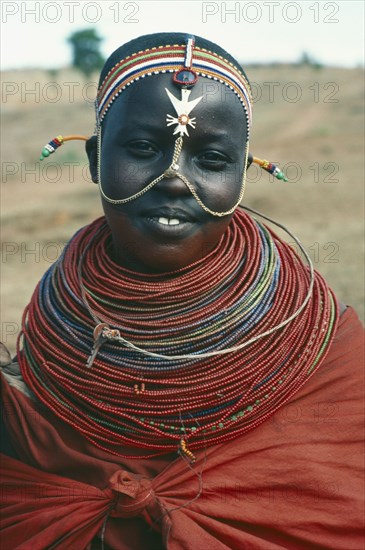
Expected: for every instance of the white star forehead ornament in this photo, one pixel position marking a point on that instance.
(182, 107)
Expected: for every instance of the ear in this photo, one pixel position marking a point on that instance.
(249, 160)
(91, 150)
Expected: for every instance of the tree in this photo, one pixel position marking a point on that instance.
(309, 61)
(86, 51)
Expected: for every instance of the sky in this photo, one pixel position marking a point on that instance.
(34, 34)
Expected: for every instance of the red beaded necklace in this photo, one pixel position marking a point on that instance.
(250, 283)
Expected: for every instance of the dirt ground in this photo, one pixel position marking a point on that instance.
(309, 120)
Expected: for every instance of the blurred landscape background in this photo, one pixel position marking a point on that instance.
(307, 118)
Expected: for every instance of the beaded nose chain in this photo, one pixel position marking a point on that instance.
(172, 172)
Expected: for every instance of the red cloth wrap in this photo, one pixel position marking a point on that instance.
(294, 482)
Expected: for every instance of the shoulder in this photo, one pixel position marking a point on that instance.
(343, 369)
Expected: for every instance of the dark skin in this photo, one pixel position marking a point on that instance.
(137, 147)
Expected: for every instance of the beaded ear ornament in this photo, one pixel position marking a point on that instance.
(56, 142)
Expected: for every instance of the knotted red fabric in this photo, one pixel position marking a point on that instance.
(293, 482)
(133, 495)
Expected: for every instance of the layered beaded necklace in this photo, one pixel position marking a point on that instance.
(179, 374)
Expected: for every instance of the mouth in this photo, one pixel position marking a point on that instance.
(173, 221)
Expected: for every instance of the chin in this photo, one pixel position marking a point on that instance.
(164, 262)
(161, 259)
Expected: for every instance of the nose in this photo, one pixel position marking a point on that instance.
(173, 183)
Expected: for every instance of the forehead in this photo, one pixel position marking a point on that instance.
(147, 98)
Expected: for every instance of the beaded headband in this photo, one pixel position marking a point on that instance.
(173, 59)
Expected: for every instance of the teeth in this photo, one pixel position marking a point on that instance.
(167, 221)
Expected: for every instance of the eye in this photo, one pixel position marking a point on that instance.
(142, 148)
(213, 160)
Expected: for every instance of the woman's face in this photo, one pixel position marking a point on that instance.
(137, 147)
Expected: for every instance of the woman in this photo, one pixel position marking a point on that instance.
(184, 381)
